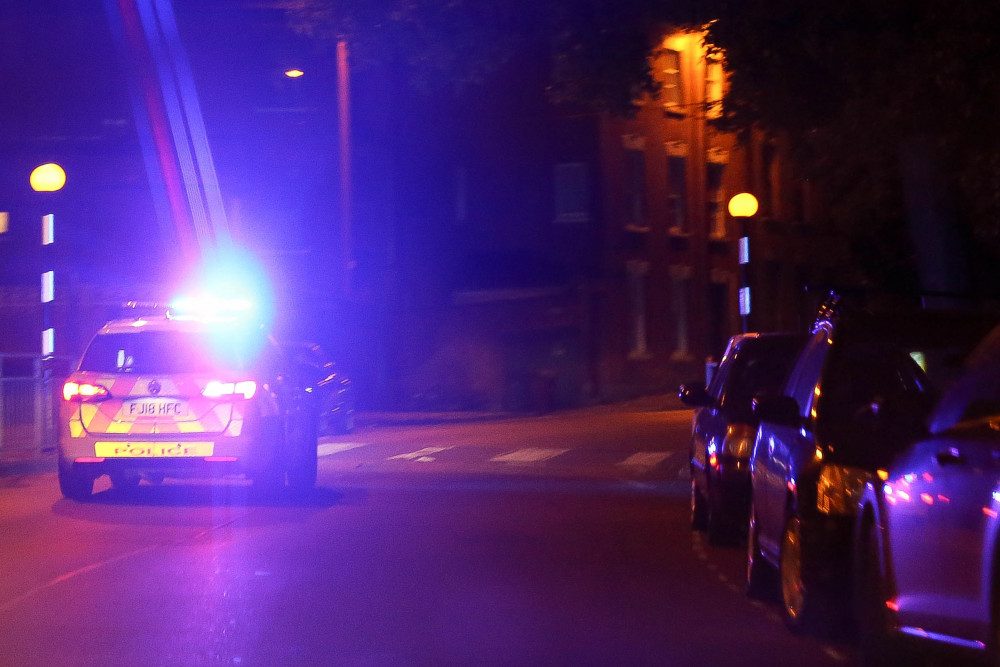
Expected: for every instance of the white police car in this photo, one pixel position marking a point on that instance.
(174, 394)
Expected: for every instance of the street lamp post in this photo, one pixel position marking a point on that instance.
(742, 207)
(48, 177)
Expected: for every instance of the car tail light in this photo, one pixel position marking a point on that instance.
(84, 391)
(216, 389)
(739, 440)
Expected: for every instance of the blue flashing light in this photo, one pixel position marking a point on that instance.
(230, 287)
(210, 308)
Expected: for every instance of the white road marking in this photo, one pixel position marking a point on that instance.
(645, 459)
(529, 455)
(422, 455)
(329, 448)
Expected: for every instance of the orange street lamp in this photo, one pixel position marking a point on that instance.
(742, 207)
(293, 73)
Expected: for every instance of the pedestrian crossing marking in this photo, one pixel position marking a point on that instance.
(645, 459)
(330, 448)
(421, 455)
(529, 455)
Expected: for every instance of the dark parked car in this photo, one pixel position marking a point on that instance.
(858, 395)
(334, 391)
(724, 428)
(927, 558)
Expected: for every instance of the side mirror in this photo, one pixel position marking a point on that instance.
(693, 394)
(781, 410)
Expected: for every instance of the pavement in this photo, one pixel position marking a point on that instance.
(17, 461)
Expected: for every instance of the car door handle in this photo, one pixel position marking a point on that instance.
(950, 456)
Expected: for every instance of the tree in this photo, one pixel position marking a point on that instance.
(598, 51)
(867, 91)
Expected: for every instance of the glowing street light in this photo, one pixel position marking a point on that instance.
(741, 207)
(293, 73)
(48, 177)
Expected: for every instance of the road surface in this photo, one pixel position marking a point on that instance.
(556, 540)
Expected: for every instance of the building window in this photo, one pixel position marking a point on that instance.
(715, 204)
(680, 294)
(713, 88)
(677, 188)
(635, 182)
(672, 91)
(637, 271)
(571, 192)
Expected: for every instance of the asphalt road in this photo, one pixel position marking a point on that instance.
(558, 540)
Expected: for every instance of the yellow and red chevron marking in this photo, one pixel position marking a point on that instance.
(112, 416)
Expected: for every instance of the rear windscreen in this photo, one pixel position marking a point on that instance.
(160, 352)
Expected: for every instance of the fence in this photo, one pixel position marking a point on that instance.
(28, 401)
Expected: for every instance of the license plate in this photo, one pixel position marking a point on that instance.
(153, 449)
(155, 409)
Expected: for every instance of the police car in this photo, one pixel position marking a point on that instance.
(176, 394)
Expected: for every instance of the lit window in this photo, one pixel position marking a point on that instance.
(715, 204)
(677, 187)
(671, 93)
(713, 88)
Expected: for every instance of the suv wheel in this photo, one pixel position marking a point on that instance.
(721, 531)
(699, 508)
(74, 484)
(798, 598)
(875, 642)
(760, 578)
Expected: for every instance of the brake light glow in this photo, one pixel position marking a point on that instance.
(216, 389)
(84, 391)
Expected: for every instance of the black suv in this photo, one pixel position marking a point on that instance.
(859, 392)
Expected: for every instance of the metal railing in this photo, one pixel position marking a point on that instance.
(28, 407)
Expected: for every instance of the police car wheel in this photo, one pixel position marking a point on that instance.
(73, 483)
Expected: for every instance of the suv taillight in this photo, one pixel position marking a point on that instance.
(84, 391)
(216, 389)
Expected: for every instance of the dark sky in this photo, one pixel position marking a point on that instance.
(66, 99)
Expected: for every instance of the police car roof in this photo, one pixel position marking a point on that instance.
(161, 323)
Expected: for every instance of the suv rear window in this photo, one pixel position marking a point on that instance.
(161, 352)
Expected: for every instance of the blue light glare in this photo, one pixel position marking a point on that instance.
(233, 285)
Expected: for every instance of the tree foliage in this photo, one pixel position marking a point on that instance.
(848, 82)
(852, 82)
(597, 50)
